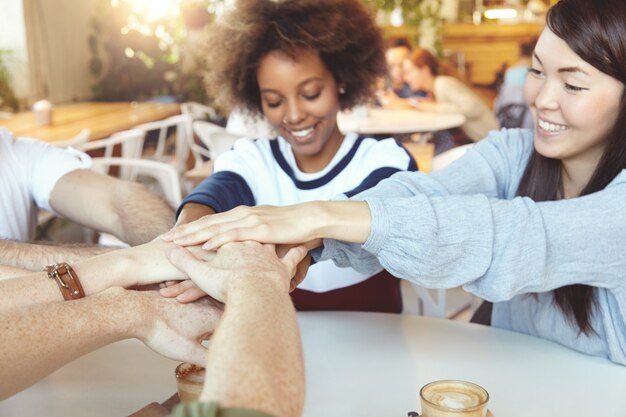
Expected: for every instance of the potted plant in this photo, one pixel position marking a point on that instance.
(8, 101)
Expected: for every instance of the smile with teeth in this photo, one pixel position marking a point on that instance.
(302, 133)
(551, 127)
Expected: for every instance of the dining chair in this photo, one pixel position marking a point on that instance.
(157, 176)
(198, 111)
(214, 137)
(130, 142)
(180, 124)
(149, 172)
(434, 303)
(81, 138)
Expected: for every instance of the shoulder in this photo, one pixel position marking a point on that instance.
(512, 146)
(448, 81)
(245, 151)
(385, 152)
(33, 151)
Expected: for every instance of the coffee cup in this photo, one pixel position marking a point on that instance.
(453, 398)
(189, 381)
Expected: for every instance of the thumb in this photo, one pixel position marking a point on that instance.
(184, 260)
(192, 352)
(293, 257)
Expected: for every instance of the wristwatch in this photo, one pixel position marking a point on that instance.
(67, 280)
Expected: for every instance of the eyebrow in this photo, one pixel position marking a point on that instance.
(308, 80)
(565, 69)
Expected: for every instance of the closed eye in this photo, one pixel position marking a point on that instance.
(574, 88)
(312, 97)
(534, 71)
(273, 104)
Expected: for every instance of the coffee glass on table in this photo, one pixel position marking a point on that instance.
(453, 398)
(189, 381)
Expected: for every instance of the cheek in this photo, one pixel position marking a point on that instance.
(326, 106)
(600, 113)
(273, 116)
(531, 88)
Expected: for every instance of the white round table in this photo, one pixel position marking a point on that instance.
(360, 365)
(382, 121)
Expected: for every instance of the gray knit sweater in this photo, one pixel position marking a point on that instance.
(463, 226)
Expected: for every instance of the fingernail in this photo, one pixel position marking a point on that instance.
(180, 240)
(208, 246)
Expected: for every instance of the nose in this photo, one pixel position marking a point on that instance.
(294, 114)
(545, 96)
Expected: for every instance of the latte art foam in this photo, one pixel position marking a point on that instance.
(451, 398)
(454, 399)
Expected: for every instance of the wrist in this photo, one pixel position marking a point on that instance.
(256, 284)
(103, 271)
(349, 221)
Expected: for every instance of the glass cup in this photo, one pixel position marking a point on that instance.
(452, 398)
(189, 381)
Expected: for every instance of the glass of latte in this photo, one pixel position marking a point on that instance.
(189, 380)
(452, 398)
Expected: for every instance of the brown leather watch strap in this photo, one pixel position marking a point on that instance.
(67, 280)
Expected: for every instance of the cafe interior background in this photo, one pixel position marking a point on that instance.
(70, 51)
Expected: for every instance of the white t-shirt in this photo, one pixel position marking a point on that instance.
(29, 170)
(262, 171)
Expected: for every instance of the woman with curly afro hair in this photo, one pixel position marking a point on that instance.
(298, 63)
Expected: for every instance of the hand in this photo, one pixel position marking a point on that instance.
(266, 224)
(175, 330)
(303, 265)
(238, 263)
(187, 291)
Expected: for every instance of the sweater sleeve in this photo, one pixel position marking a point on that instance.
(501, 248)
(496, 245)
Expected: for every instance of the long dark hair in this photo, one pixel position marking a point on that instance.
(596, 32)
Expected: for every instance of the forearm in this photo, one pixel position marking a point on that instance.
(140, 265)
(8, 272)
(258, 337)
(193, 211)
(348, 221)
(39, 339)
(35, 256)
(142, 214)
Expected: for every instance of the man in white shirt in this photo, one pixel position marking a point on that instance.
(36, 175)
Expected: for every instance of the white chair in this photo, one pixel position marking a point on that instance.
(164, 174)
(214, 137)
(434, 302)
(81, 138)
(130, 141)
(181, 149)
(147, 171)
(198, 111)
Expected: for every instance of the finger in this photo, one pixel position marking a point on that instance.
(192, 352)
(293, 257)
(183, 229)
(175, 290)
(183, 260)
(236, 234)
(200, 272)
(183, 232)
(190, 295)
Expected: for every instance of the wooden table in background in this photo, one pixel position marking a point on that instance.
(103, 119)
